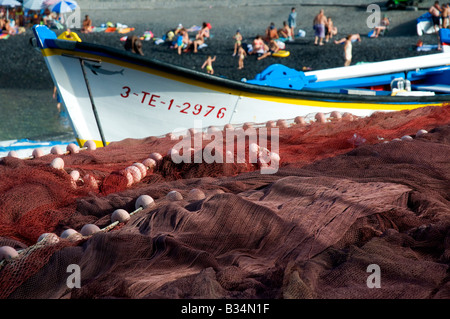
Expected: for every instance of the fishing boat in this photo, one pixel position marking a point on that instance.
(111, 94)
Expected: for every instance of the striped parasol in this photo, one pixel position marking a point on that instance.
(35, 5)
(62, 6)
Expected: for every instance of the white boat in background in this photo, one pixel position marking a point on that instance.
(111, 95)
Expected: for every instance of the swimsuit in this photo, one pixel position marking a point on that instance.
(348, 52)
(320, 30)
(291, 20)
(209, 68)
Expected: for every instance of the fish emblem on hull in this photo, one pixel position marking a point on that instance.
(97, 69)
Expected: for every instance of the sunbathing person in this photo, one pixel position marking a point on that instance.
(259, 47)
(273, 47)
(384, 23)
(285, 33)
(87, 25)
(201, 36)
(271, 32)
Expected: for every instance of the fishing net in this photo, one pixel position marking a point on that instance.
(346, 195)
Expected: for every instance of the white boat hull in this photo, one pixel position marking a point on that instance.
(111, 97)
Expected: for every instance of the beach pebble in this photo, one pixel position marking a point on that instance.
(135, 172)
(89, 229)
(300, 120)
(57, 163)
(142, 168)
(13, 154)
(56, 150)
(37, 153)
(320, 117)
(7, 252)
(72, 148)
(396, 140)
(150, 163)
(174, 196)
(196, 194)
(421, 133)
(336, 115)
(48, 238)
(406, 138)
(90, 145)
(120, 215)
(144, 201)
(156, 157)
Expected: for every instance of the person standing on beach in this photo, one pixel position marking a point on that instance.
(445, 15)
(237, 41)
(435, 11)
(208, 65)
(292, 20)
(319, 23)
(347, 49)
(242, 54)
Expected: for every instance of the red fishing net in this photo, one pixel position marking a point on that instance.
(341, 200)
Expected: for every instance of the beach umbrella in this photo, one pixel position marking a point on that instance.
(64, 6)
(9, 3)
(34, 5)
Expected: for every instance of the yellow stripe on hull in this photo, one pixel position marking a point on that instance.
(283, 100)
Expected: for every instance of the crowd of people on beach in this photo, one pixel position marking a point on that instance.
(17, 19)
(263, 45)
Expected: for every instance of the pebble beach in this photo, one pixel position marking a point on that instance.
(24, 67)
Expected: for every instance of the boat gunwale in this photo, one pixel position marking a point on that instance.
(189, 74)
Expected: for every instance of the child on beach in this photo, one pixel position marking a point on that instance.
(330, 30)
(242, 54)
(208, 65)
(237, 41)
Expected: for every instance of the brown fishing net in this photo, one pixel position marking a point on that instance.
(342, 200)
